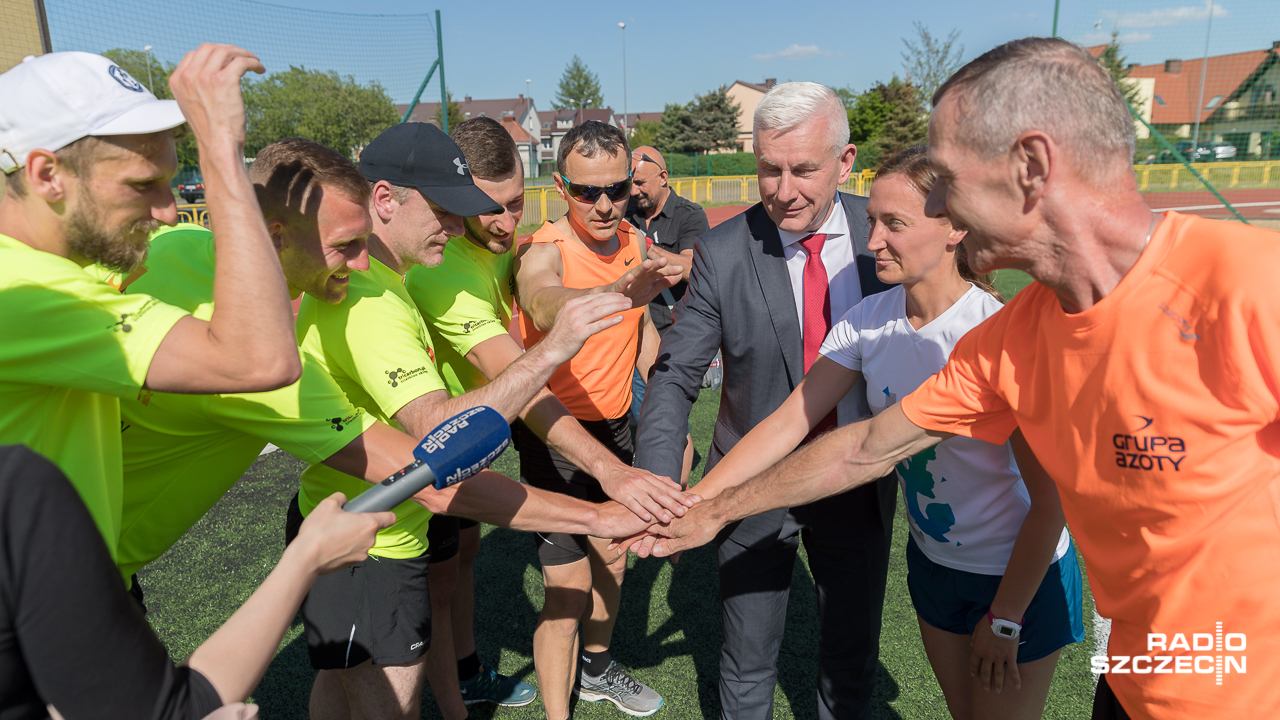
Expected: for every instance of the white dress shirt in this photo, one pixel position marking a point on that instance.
(842, 277)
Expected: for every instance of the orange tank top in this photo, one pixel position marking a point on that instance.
(596, 383)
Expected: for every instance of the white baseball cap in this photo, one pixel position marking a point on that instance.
(49, 102)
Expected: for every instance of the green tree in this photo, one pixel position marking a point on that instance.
(675, 129)
(455, 113)
(334, 111)
(905, 124)
(579, 88)
(137, 63)
(866, 116)
(929, 61)
(644, 133)
(1116, 65)
(715, 121)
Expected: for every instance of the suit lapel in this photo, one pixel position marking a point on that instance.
(775, 283)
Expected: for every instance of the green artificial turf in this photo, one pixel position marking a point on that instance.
(668, 630)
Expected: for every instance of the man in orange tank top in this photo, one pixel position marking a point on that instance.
(589, 250)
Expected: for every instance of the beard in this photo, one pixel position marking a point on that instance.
(120, 249)
(643, 202)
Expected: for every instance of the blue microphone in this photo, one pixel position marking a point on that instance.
(460, 447)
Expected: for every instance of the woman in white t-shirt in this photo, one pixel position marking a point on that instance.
(991, 568)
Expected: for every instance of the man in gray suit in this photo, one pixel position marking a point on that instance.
(765, 288)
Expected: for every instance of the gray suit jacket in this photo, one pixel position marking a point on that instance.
(739, 301)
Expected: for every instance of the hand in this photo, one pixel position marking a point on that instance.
(335, 538)
(646, 281)
(234, 711)
(992, 657)
(645, 494)
(614, 520)
(697, 527)
(206, 85)
(579, 319)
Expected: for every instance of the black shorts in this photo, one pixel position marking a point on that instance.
(378, 610)
(442, 536)
(546, 469)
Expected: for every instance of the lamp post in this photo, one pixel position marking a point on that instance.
(625, 120)
(526, 88)
(1204, 70)
(147, 50)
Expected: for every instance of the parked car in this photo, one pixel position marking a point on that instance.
(1207, 152)
(192, 191)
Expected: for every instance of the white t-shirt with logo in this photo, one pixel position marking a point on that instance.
(965, 499)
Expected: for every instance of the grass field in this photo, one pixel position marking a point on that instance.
(668, 632)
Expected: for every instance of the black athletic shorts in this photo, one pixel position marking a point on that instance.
(442, 536)
(546, 469)
(379, 610)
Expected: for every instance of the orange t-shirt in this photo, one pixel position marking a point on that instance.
(596, 383)
(1156, 412)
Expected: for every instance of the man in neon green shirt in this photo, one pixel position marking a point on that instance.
(183, 452)
(467, 302)
(376, 346)
(88, 154)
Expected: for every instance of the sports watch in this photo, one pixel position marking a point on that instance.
(1006, 629)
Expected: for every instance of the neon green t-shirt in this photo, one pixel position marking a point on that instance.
(183, 452)
(465, 301)
(376, 346)
(73, 346)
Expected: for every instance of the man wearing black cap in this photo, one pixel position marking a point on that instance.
(368, 629)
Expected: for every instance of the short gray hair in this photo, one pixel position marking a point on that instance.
(790, 104)
(1045, 84)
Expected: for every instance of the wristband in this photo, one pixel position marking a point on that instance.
(1006, 629)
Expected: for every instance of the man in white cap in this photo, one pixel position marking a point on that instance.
(88, 154)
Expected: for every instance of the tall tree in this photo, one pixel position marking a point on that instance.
(579, 88)
(715, 121)
(1117, 66)
(137, 63)
(455, 113)
(334, 111)
(904, 123)
(675, 129)
(929, 61)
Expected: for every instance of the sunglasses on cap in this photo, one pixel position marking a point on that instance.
(591, 193)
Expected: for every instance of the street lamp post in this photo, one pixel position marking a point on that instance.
(625, 120)
(150, 85)
(1204, 70)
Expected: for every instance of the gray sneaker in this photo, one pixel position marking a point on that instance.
(630, 695)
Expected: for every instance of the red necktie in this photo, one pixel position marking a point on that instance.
(817, 314)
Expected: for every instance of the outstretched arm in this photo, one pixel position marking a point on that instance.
(510, 392)
(840, 460)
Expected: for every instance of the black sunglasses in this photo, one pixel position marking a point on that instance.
(591, 193)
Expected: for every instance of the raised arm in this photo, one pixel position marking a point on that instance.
(248, 344)
(840, 460)
(994, 657)
(541, 292)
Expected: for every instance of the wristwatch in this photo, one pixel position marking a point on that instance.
(1006, 629)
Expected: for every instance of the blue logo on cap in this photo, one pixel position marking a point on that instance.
(125, 79)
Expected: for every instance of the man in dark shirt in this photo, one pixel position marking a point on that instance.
(670, 221)
(671, 224)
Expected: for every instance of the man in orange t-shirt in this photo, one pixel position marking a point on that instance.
(589, 250)
(1142, 370)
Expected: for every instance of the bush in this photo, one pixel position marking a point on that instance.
(697, 165)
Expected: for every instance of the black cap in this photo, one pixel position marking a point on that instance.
(419, 155)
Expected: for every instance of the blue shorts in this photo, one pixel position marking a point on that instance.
(957, 601)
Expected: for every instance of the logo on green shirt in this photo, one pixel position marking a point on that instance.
(399, 375)
(470, 325)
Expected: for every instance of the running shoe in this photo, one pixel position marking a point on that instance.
(615, 685)
(489, 686)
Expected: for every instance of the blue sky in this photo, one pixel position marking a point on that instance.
(674, 50)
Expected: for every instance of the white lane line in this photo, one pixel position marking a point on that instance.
(1219, 206)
